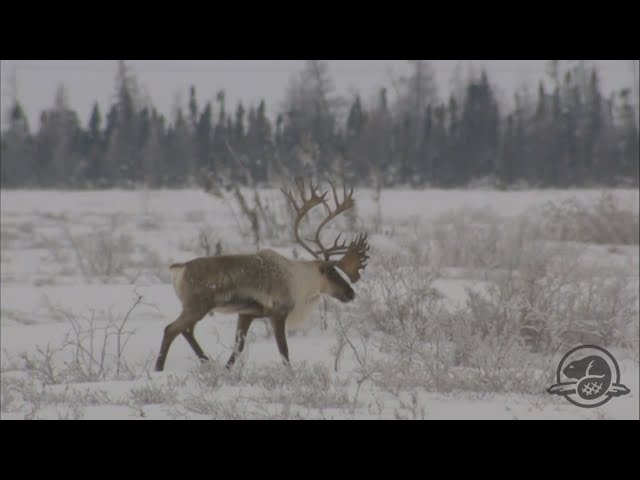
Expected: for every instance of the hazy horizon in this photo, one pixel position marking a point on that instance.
(167, 82)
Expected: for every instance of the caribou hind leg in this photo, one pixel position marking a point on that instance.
(186, 320)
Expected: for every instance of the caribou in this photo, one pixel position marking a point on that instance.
(267, 284)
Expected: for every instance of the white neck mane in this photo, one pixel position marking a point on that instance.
(306, 289)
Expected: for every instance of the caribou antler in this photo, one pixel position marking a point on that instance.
(353, 255)
(307, 205)
(346, 204)
(354, 260)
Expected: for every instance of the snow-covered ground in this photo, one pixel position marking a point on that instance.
(73, 264)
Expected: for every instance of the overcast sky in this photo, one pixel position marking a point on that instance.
(168, 81)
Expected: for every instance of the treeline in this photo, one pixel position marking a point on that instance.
(566, 133)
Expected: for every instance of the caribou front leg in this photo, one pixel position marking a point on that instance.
(244, 322)
(279, 330)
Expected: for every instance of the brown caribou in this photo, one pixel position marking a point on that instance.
(267, 284)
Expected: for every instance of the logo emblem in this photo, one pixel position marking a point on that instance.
(588, 376)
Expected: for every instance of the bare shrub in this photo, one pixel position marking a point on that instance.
(479, 238)
(260, 216)
(8, 395)
(102, 254)
(43, 365)
(152, 393)
(147, 263)
(94, 350)
(605, 311)
(266, 218)
(401, 297)
(21, 395)
(601, 222)
(411, 408)
(511, 329)
(311, 387)
(403, 341)
(276, 392)
(205, 243)
(377, 200)
(27, 395)
(490, 354)
(211, 405)
(554, 302)
(73, 411)
(355, 336)
(22, 318)
(503, 339)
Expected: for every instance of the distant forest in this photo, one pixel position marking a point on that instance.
(563, 132)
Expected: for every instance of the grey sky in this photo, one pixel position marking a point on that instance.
(168, 81)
